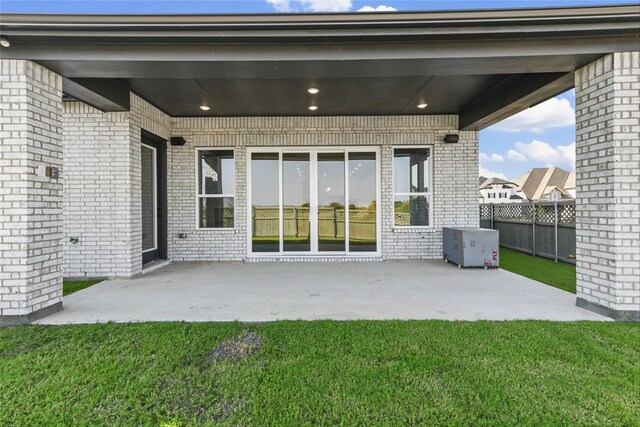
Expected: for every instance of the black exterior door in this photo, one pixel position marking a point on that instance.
(153, 194)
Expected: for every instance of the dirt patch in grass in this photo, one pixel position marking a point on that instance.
(237, 348)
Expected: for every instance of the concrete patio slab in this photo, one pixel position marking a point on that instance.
(255, 292)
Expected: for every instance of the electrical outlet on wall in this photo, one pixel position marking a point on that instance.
(51, 172)
(48, 171)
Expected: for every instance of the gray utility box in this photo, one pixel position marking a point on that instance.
(471, 247)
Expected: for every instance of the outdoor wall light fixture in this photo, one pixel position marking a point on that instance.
(422, 105)
(177, 140)
(205, 108)
(313, 90)
(451, 138)
(4, 42)
(313, 107)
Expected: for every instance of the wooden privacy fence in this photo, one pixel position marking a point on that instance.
(362, 222)
(541, 229)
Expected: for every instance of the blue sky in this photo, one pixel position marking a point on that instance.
(541, 136)
(266, 6)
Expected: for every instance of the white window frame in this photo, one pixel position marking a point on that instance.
(428, 195)
(198, 184)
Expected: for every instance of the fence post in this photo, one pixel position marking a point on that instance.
(555, 229)
(533, 228)
(491, 209)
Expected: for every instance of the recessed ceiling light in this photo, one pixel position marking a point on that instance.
(313, 90)
(205, 108)
(313, 107)
(422, 105)
(4, 42)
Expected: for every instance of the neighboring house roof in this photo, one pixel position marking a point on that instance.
(516, 197)
(571, 182)
(538, 182)
(494, 181)
(564, 195)
(482, 179)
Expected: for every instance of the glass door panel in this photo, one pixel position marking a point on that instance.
(265, 202)
(296, 199)
(331, 195)
(362, 202)
(148, 192)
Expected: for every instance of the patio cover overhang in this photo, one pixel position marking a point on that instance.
(481, 65)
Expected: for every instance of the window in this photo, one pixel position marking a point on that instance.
(412, 186)
(216, 188)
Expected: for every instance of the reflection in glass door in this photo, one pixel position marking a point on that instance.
(362, 202)
(265, 203)
(331, 198)
(148, 192)
(296, 199)
(313, 202)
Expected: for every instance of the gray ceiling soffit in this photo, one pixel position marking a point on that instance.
(513, 95)
(105, 95)
(480, 100)
(477, 49)
(312, 69)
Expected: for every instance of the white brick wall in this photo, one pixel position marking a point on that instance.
(30, 202)
(102, 204)
(454, 164)
(608, 182)
(145, 116)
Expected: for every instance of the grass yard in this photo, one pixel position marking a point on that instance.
(69, 287)
(557, 274)
(321, 373)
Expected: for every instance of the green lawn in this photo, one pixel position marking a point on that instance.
(379, 373)
(71, 286)
(557, 274)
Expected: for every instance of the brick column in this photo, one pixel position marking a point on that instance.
(30, 192)
(608, 186)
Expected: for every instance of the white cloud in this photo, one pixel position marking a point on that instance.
(497, 158)
(516, 156)
(490, 174)
(381, 8)
(540, 151)
(311, 5)
(554, 113)
(326, 5)
(280, 5)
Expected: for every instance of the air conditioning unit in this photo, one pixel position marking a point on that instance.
(471, 247)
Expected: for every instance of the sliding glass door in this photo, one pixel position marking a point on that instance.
(308, 202)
